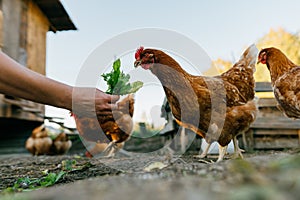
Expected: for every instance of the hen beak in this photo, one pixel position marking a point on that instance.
(262, 58)
(137, 63)
(258, 61)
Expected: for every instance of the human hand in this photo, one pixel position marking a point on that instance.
(105, 102)
(92, 102)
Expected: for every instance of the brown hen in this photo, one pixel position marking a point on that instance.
(216, 108)
(40, 143)
(108, 131)
(285, 78)
(61, 144)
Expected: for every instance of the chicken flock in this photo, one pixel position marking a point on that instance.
(217, 108)
(41, 142)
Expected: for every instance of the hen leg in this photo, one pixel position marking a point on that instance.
(112, 152)
(108, 149)
(237, 151)
(117, 148)
(171, 158)
(222, 152)
(183, 140)
(204, 153)
(169, 154)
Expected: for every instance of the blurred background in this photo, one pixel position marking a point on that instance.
(56, 37)
(222, 29)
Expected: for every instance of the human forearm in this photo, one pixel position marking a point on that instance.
(16, 80)
(19, 81)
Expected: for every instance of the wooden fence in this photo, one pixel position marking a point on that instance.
(271, 129)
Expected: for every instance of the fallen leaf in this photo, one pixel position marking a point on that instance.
(155, 165)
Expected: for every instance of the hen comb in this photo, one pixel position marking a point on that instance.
(138, 52)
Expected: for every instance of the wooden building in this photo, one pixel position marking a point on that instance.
(23, 30)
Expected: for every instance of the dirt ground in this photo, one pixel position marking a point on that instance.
(261, 175)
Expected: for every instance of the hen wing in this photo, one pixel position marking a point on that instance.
(239, 81)
(287, 93)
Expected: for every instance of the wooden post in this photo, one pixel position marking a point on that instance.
(248, 140)
(299, 137)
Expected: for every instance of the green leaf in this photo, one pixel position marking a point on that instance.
(51, 179)
(117, 65)
(68, 165)
(135, 86)
(60, 175)
(118, 81)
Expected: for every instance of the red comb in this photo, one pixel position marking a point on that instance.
(138, 52)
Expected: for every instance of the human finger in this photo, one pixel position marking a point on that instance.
(114, 98)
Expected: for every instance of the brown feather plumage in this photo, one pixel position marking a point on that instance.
(195, 99)
(285, 77)
(40, 143)
(115, 127)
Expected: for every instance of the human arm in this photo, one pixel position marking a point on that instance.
(19, 81)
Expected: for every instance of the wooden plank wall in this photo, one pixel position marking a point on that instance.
(11, 29)
(271, 129)
(37, 28)
(24, 39)
(1, 26)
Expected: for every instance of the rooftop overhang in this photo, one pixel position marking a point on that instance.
(57, 15)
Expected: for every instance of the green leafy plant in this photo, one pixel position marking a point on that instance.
(28, 184)
(118, 81)
(49, 179)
